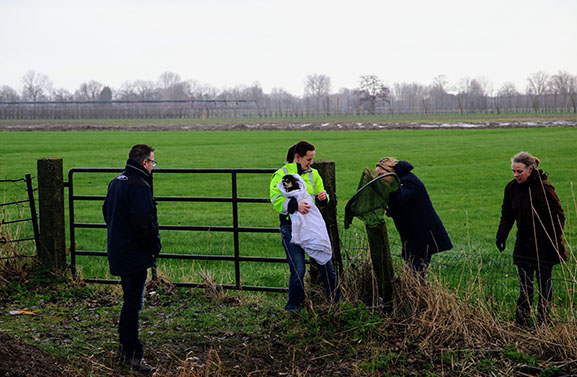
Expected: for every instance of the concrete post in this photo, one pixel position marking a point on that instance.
(52, 251)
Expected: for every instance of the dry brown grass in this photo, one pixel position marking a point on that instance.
(437, 320)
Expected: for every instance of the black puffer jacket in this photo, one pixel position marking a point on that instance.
(130, 214)
(419, 226)
(536, 208)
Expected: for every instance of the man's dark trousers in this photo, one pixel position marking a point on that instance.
(133, 291)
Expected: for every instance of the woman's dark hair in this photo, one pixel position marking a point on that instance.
(290, 154)
(301, 148)
(140, 152)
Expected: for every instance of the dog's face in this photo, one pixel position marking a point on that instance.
(290, 183)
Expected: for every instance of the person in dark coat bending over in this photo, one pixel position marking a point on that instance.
(531, 201)
(133, 243)
(420, 228)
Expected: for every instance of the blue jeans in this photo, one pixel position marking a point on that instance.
(133, 292)
(296, 261)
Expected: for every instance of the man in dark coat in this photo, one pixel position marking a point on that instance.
(133, 242)
(420, 228)
(531, 201)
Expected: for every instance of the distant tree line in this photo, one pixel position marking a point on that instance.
(172, 97)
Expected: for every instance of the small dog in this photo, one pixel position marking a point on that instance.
(290, 183)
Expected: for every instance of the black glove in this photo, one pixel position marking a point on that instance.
(501, 244)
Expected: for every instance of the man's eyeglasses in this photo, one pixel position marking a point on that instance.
(153, 162)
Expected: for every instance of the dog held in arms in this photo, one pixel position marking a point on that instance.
(290, 183)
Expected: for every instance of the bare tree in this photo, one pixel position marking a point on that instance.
(472, 94)
(506, 94)
(146, 90)
(573, 92)
(88, 91)
(255, 93)
(172, 87)
(317, 88)
(410, 97)
(438, 91)
(463, 93)
(250, 95)
(372, 89)
(61, 95)
(561, 83)
(7, 94)
(508, 89)
(347, 101)
(35, 86)
(284, 102)
(317, 85)
(127, 91)
(537, 85)
(202, 91)
(138, 90)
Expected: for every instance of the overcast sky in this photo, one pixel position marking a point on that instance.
(225, 43)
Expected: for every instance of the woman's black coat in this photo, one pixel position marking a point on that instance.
(419, 226)
(536, 208)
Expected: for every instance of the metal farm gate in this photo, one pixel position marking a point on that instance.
(234, 228)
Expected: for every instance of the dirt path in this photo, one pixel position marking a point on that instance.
(17, 126)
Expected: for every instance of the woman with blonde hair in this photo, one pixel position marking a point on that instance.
(530, 201)
(420, 228)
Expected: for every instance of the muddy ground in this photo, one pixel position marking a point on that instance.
(320, 126)
(19, 359)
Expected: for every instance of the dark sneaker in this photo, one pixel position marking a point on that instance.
(140, 365)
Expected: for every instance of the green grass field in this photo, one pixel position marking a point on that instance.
(465, 172)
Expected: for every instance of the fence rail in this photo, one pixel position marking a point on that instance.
(266, 107)
(234, 199)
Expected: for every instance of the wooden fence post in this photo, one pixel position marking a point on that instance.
(52, 251)
(382, 262)
(327, 172)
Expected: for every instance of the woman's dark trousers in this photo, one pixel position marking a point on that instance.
(543, 273)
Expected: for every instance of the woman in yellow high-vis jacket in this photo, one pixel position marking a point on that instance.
(299, 160)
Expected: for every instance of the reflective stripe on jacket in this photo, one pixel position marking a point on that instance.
(312, 179)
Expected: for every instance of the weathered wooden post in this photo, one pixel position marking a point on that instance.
(327, 172)
(368, 204)
(52, 251)
(382, 262)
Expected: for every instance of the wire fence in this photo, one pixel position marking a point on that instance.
(19, 233)
(491, 276)
(338, 105)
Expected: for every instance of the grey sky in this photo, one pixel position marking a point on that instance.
(225, 43)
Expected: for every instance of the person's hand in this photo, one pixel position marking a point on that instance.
(304, 208)
(501, 244)
(322, 196)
